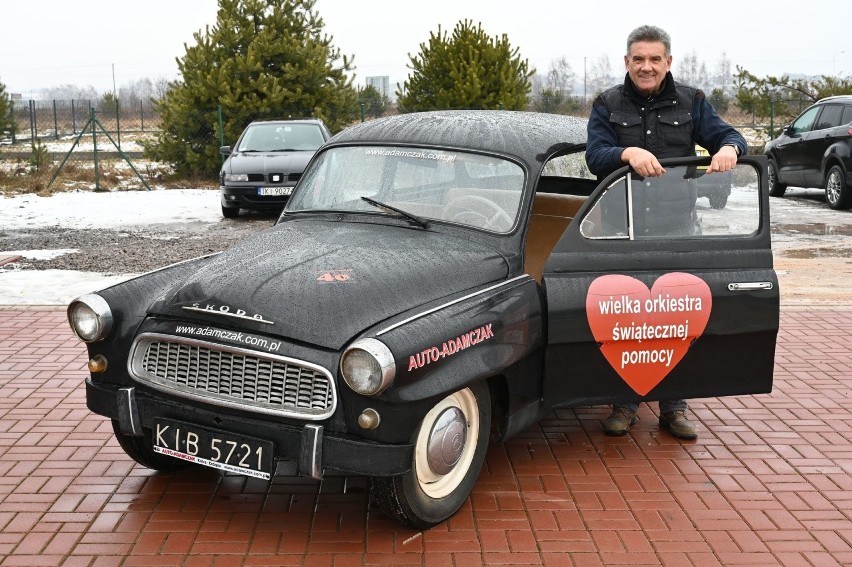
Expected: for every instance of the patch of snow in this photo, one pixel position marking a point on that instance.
(51, 287)
(116, 209)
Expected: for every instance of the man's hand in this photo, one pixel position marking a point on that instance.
(724, 160)
(643, 162)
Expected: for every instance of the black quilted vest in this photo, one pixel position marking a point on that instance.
(661, 124)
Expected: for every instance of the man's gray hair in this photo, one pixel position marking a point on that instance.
(650, 33)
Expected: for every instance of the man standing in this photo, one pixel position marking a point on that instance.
(648, 118)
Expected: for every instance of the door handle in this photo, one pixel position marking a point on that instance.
(749, 286)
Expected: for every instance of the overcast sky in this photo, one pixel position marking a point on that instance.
(48, 43)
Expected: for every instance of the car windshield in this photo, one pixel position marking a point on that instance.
(457, 187)
(273, 137)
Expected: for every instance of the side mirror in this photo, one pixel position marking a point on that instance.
(225, 150)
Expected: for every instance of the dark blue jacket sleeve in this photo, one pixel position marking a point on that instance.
(603, 154)
(712, 132)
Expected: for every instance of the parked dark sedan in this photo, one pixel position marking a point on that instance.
(268, 159)
(816, 151)
(436, 277)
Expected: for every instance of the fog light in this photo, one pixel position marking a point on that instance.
(369, 419)
(98, 363)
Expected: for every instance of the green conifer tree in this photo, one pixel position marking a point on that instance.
(263, 59)
(468, 70)
(7, 117)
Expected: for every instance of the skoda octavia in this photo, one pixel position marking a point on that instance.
(437, 281)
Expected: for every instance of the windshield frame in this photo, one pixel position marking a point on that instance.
(502, 219)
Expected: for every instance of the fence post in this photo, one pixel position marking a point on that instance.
(142, 115)
(73, 119)
(118, 122)
(14, 122)
(55, 122)
(221, 130)
(33, 127)
(771, 117)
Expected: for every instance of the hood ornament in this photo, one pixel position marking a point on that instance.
(227, 311)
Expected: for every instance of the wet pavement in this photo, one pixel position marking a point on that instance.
(768, 482)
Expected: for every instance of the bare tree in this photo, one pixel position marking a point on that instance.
(600, 76)
(560, 77)
(723, 77)
(691, 71)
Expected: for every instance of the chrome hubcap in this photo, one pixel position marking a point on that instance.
(447, 441)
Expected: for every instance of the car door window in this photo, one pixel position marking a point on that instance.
(640, 208)
(805, 122)
(830, 117)
(847, 115)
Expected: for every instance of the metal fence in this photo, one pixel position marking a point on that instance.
(53, 120)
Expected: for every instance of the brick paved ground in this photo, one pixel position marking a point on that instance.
(769, 481)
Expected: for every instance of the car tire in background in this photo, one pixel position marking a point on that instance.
(838, 195)
(776, 188)
(424, 497)
(230, 212)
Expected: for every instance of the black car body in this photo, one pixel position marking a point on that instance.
(433, 275)
(267, 161)
(815, 151)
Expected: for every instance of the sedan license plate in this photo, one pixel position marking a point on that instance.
(274, 191)
(216, 449)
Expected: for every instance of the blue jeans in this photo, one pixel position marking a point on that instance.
(666, 406)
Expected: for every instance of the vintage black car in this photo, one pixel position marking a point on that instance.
(434, 278)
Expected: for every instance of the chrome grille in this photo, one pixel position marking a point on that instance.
(234, 377)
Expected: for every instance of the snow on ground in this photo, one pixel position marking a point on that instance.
(118, 209)
(85, 209)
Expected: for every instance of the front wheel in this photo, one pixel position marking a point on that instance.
(230, 212)
(837, 193)
(449, 450)
(776, 188)
(141, 450)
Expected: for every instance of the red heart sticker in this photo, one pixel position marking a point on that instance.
(645, 333)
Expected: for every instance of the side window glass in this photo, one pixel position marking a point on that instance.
(607, 219)
(847, 115)
(830, 117)
(684, 203)
(568, 165)
(805, 122)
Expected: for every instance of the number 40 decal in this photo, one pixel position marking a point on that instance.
(333, 276)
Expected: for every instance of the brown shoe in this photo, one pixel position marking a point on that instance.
(678, 425)
(619, 421)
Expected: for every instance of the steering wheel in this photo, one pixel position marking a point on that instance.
(477, 211)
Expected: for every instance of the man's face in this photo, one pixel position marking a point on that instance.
(647, 65)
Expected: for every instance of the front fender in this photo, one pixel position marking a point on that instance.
(450, 346)
(129, 302)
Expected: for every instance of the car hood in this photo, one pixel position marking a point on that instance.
(324, 282)
(268, 162)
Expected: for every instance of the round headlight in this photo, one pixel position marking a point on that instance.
(368, 366)
(90, 318)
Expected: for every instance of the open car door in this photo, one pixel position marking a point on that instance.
(653, 294)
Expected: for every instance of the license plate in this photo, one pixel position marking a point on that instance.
(274, 191)
(216, 449)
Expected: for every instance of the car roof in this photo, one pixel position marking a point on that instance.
(836, 98)
(531, 136)
(288, 121)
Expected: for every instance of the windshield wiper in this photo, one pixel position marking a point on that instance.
(413, 218)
